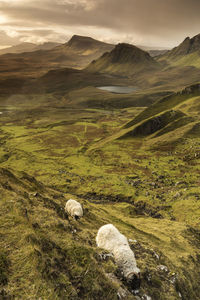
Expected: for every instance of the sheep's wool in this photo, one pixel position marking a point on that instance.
(109, 238)
(74, 208)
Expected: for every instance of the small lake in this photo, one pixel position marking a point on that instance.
(118, 89)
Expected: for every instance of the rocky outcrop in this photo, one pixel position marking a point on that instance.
(156, 123)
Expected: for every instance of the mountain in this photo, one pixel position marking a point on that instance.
(186, 54)
(124, 59)
(28, 47)
(188, 46)
(77, 53)
(88, 44)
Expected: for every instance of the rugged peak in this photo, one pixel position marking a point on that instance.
(189, 45)
(123, 53)
(195, 42)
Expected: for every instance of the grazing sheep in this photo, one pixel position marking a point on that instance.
(110, 239)
(74, 209)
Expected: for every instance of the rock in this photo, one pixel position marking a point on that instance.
(177, 195)
(180, 183)
(180, 295)
(122, 292)
(136, 292)
(163, 268)
(105, 256)
(36, 194)
(146, 297)
(133, 241)
(156, 255)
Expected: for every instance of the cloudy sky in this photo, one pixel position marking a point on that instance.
(163, 23)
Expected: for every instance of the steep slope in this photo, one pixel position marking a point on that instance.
(124, 59)
(46, 254)
(189, 45)
(186, 54)
(178, 110)
(162, 123)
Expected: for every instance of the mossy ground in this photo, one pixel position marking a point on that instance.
(148, 188)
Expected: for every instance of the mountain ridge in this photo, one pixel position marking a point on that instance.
(186, 53)
(77, 53)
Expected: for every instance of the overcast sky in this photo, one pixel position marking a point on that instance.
(163, 23)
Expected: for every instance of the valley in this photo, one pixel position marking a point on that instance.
(132, 159)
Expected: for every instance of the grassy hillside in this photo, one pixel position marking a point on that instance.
(192, 59)
(151, 194)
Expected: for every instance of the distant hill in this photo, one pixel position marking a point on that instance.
(124, 59)
(77, 53)
(186, 54)
(153, 51)
(28, 47)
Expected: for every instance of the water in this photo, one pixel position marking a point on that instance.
(118, 89)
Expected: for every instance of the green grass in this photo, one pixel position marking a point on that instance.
(192, 59)
(132, 183)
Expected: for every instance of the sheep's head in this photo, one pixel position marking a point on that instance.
(77, 214)
(133, 278)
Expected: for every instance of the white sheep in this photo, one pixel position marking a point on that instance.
(74, 209)
(110, 239)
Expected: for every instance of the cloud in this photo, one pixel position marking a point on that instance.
(9, 38)
(164, 22)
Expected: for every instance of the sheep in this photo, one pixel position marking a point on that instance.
(74, 209)
(110, 239)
